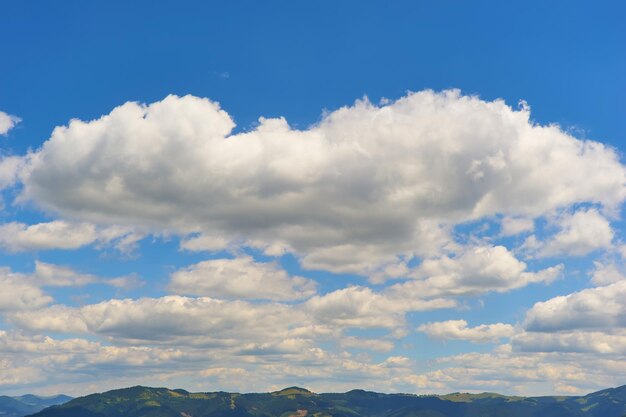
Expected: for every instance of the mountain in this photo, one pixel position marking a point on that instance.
(299, 402)
(28, 404)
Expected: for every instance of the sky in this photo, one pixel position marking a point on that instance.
(407, 196)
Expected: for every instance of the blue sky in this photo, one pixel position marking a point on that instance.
(410, 197)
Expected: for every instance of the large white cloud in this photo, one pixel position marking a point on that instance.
(593, 309)
(365, 185)
(169, 319)
(592, 320)
(241, 277)
(208, 321)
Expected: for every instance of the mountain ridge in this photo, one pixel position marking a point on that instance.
(140, 401)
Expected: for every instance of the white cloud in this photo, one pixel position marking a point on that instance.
(580, 233)
(206, 321)
(168, 319)
(9, 169)
(17, 237)
(241, 277)
(126, 282)
(592, 320)
(475, 270)
(606, 273)
(364, 308)
(511, 226)
(602, 343)
(50, 275)
(58, 234)
(529, 373)
(591, 309)
(379, 345)
(418, 165)
(16, 293)
(7, 122)
(458, 330)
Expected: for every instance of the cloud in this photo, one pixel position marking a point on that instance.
(529, 373)
(591, 309)
(364, 308)
(9, 169)
(378, 345)
(59, 234)
(511, 226)
(7, 122)
(18, 237)
(212, 322)
(170, 318)
(419, 165)
(18, 294)
(612, 343)
(606, 274)
(580, 233)
(458, 330)
(241, 277)
(592, 320)
(474, 270)
(50, 275)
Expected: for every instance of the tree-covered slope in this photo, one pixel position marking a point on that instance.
(298, 402)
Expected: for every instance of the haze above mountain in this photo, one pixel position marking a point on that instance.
(28, 404)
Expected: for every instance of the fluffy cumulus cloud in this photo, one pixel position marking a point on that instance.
(361, 307)
(7, 122)
(580, 233)
(592, 308)
(458, 329)
(241, 277)
(473, 270)
(591, 320)
(365, 185)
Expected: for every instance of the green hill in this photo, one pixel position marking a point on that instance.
(299, 402)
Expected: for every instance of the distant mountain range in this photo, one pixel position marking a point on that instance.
(28, 404)
(299, 402)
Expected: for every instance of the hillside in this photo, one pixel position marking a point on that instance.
(299, 402)
(28, 404)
